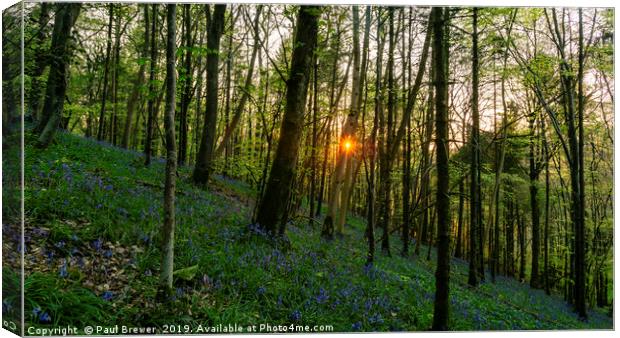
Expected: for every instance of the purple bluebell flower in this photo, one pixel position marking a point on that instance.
(356, 326)
(375, 319)
(296, 316)
(107, 296)
(97, 244)
(322, 296)
(45, 318)
(63, 270)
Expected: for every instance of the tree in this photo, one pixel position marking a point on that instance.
(342, 177)
(204, 159)
(60, 57)
(40, 59)
(104, 95)
(274, 200)
(474, 194)
(187, 83)
(247, 87)
(151, 93)
(139, 82)
(167, 245)
(440, 17)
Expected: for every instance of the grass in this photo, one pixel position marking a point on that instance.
(93, 214)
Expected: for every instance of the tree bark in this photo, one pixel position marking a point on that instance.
(474, 195)
(60, 57)
(104, 95)
(167, 246)
(440, 17)
(247, 87)
(204, 160)
(274, 201)
(151, 94)
(135, 93)
(187, 84)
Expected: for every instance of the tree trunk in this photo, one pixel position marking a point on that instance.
(151, 94)
(204, 161)
(167, 246)
(458, 252)
(40, 60)
(135, 93)
(274, 201)
(187, 84)
(474, 196)
(246, 90)
(350, 129)
(440, 17)
(104, 95)
(534, 282)
(60, 58)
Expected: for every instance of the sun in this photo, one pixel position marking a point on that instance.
(347, 145)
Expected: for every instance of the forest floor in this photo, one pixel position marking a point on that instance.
(93, 213)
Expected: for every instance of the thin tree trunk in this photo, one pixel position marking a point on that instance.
(474, 196)
(104, 95)
(440, 17)
(246, 90)
(151, 94)
(187, 84)
(135, 93)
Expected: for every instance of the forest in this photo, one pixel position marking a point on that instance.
(307, 168)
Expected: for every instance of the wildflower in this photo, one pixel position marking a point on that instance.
(375, 319)
(322, 296)
(261, 290)
(296, 316)
(45, 318)
(36, 311)
(108, 253)
(63, 270)
(60, 244)
(50, 256)
(107, 296)
(356, 326)
(97, 244)
(148, 272)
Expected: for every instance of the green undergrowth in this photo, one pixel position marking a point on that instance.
(93, 213)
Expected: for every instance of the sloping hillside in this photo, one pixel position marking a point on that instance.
(92, 218)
